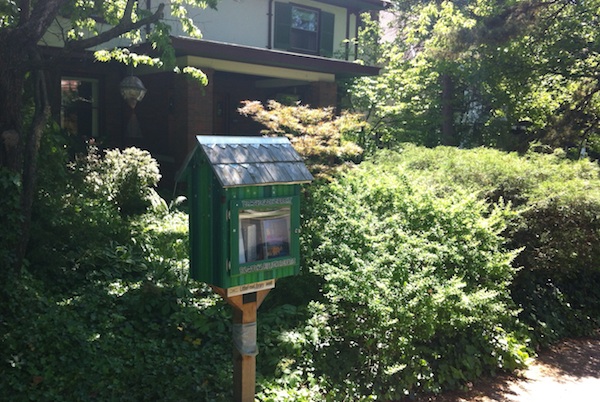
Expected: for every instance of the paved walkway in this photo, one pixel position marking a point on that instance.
(569, 372)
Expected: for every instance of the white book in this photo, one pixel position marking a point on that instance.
(242, 250)
(251, 243)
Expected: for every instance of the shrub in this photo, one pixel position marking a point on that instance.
(127, 178)
(71, 220)
(104, 310)
(10, 218)
(408, 269)
(420, 291)
(416, 295)
(557, 226)
(80, 206)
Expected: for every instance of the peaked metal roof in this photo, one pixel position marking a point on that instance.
(252, 161)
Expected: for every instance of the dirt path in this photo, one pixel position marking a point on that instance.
(569, 372)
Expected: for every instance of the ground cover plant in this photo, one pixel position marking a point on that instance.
(105, 310)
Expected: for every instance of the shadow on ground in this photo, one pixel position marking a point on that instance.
(575, 358)
(572, 366)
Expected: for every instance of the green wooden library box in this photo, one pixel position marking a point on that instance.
(244, 196)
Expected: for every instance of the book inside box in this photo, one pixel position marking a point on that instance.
(264, 234)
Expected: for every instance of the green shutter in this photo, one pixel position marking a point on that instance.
(326, 34)
(283, 22)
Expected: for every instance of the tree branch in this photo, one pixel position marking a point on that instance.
(128, 11)
(25, 13)
(123, 27)
(33, 28)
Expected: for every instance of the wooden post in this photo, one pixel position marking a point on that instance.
(244, 366)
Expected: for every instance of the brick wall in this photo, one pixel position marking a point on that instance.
(323, 94)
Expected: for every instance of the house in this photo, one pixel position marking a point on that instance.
(250, 50)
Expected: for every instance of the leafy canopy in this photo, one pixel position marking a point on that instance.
(321, 137)
(521, 71)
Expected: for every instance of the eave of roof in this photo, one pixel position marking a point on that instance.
(185, 46)
(361, 5)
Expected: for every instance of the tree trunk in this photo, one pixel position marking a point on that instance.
(448, 135)
(13, 56)
(31, 147)
(19, 142)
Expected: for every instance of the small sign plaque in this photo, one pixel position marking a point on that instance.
(251, 287)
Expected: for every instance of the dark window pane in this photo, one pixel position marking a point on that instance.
(79, 106)
(305, 30)
(303, 40)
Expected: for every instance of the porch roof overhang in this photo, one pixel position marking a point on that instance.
(247, 55)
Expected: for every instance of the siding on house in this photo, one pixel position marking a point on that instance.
(246, 22)
(242, 22)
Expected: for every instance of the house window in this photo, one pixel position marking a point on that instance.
(303, 29)
(79, 106)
